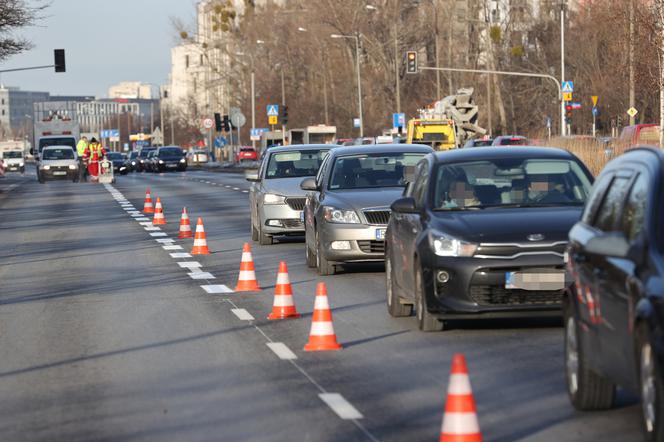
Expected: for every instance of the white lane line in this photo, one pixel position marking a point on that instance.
(245, 191)
(281, 350)
(242, 314)
(341, 406)
(172, 247)
(180, 255)
(216, 289)
(146, 223)
(201, 275)
(142, 219)
(165, 240)
(236, 188)
(190, 264)
(151, 228)
(227, 186)
(155, 234)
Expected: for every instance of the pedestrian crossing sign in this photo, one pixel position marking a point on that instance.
(272, 110)
(568, 86)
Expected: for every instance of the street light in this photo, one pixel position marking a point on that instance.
(253, 93)
(359, 79)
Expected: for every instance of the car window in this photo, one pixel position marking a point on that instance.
(420, 185)
(321, 171)
(635, 208)
(373, 170)
(596, 197)
(58, 154)
(12, 155)
(294, 164)
(114, 156)
(609, 210)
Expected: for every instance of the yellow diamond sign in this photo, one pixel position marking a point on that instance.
(632, 112)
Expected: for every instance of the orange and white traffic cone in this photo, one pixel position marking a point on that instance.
(185, 227)
(158, 214)
(460, 419)
(200, 243)
(147, 205)
(283, 306)
(247, 279)
(322, 336)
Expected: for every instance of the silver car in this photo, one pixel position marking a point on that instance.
(348, 202)
(275, 197)
(57, 162)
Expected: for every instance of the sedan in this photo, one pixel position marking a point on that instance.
(614, 312)
(348, 204)
(169, 158)
(482, 232)
(275, 198)
(118, 162)
(132, 162)
(141, 165)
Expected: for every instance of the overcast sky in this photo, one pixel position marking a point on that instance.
(106, 41)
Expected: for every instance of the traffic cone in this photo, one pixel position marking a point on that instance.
(460, 419)
(322, 336)
(147, 205)
(283, 306)
(185, 227)
(247, 280)
(158, 214)
(200, 243)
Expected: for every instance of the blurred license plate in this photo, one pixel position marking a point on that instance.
(380, 234)
(171, 165)
(535, 281)
(59, 173)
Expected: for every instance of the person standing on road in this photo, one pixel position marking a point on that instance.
(94, 154)
(80, 150)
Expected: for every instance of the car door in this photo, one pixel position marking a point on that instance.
(255, 191)
(313, 202)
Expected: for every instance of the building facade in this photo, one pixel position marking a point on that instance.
(16, 111)
(131, 90)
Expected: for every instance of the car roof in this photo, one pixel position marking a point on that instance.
(644, 154)
(497, 152)
(292, 147)
(381, 148)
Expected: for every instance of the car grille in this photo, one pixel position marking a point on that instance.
(292, 223)
(379, 217)
(296, 203)
(372, 246)
(491, 295)
(511, 251)
(59, 168)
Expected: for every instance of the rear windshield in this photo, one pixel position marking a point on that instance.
(480, 143)
(294, 164)
(373, 170)
(58, 154)
(44, 142)
(170, 152)
(12, 155)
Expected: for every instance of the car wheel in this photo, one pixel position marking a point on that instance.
(41, 179)
(587, 389)
(263, 238)
(652, 388)
(425, 320)
(394, 306)
(254, 232)
(323, 265)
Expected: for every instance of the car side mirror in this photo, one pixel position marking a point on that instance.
(252, 177)
(404, 205)
(613, 244)
(309, 184)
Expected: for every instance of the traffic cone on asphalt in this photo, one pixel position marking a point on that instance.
(147, 205)
(247, 280)
(460, 419)
(185, 227)
(322, 336)
(200, 243)
(283, 306)
(158, 214)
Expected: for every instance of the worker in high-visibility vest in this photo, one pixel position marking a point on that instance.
(94, 154)
(80, 151)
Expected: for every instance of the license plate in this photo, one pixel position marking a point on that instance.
(535, 281)
(59, 173)
(172, 165)
(380, 234)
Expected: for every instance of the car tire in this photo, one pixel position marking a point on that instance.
(652, 387)
(22, 170)
(324, 266)
(425, 320)
(263, 238)
(254, 232)
(587, 389)
(394, 306)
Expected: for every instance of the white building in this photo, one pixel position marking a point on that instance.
(130, 90)
(16, 111)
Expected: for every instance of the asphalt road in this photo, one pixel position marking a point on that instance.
(104, 336)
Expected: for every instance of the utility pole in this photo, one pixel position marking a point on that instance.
(632, 100)
(488, 102)
(396, 66)
(151, 117)
(253, 102)
(436, 48)
(563, 130)
(283, 103)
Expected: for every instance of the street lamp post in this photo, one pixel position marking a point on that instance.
(563, 125)
(359, 78)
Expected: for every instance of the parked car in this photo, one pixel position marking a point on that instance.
(275, 197)
(478, 142)
(132, 161)
(57, 162)
(142, 157)
(510, 140)
(481, 233)
(639, 134)
(348, 202)
(118, 161)
(246, 154)
(169, 158)
(614, 311)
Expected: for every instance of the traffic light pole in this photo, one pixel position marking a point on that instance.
(515, 74)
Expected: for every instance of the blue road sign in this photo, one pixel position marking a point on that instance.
(568, 86)
(272, 110)
(257, 131)
(220, 141)
(398, 120)
(595, 112)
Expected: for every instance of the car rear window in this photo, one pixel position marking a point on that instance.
(513, 142)
(58, 154)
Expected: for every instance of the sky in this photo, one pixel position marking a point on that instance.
(106, 42)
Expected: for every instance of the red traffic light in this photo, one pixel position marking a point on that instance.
(568, 107)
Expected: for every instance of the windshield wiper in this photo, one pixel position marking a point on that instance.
(456, 209)
(528, 205)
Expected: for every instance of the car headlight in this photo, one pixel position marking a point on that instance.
(133, 163)
(334, 215)
(21, 164)
(445, 245)
(72, 167)
(161, 161)
(183, 160)
(46, 167)
(271, 198)
(142, 161)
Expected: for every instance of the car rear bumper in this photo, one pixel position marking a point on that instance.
(364, 242)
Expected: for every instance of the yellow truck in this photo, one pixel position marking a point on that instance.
(440, 134)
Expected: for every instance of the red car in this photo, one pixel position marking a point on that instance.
(246, 154)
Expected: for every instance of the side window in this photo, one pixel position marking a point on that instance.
(635, 208)
(599, 189)
(321, 170)
(420, 185)
(261, 171)
(607, 216)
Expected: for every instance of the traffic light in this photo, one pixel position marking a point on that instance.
(284, 115)
(59, 55)
(217, 122)
(568, 114)
(411, 62)
(226, 125)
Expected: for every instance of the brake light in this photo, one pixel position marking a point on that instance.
(67, 132)
(47, 133)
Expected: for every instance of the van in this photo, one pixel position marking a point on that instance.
(640, 134)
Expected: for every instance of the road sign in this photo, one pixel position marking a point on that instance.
(594, 98)
(568, 86)
(632, 112)
(157, 137)
(272, 120)
(238, 119)
(273, 110)
(595, 112)
(208, 123)
(256, 132)
(398, 120)
(548, 122)
(576, 105)
(567, 96)
(220, 141)
(356, 122)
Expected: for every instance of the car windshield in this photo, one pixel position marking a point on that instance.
(58, 154)
(373, 170)
(294, 164)
(510, 183)
(144, 153)
(170, 152)
(13, 155)
(133, 155)
(113, 156)
(45, 142)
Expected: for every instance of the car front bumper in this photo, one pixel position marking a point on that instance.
(366, 242)
(280, 219)
(14, 167)
(69, 174)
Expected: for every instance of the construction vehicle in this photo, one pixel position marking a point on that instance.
(448, 123)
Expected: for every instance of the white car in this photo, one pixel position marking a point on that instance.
(13, 160)
(57, 162)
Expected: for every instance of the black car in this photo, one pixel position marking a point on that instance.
(142, 158)
(614, 311)
(169, 158)
(118, 161)
(481, 233)
(478, 142)
(132, 161)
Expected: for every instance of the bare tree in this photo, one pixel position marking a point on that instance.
(14, 15)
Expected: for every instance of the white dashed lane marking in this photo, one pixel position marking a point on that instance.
(341, 406)
(189, 264)
(151, 228)
(165, 240)
(216, 289)
(180, 255)
(242, 314)
(158, 234)
(173, 247)
(201, 275)
(281, 350)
